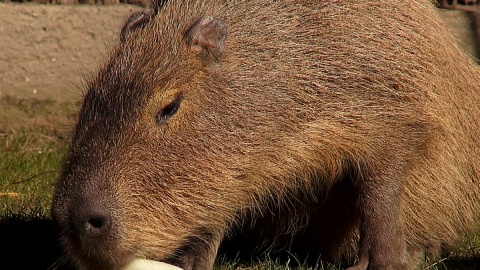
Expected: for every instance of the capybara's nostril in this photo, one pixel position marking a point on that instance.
(93, 222)
(98, 225)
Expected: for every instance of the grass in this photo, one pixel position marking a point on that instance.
(29, 164)
(33, 141)
(30, 158)
(269, 263)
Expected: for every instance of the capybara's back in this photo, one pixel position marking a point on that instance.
(363, 116)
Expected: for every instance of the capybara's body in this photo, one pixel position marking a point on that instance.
(208, 112)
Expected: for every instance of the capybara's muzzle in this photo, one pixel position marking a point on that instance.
(86, 222)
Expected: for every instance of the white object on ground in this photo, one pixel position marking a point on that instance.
(144, 264)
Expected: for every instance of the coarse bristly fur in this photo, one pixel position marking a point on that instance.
(364, 114)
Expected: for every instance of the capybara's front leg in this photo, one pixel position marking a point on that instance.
(199, 255)
(382, 241)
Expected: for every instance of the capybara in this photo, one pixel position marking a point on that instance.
(363, 116)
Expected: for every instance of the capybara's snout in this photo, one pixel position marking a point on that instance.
(92, 221)
(86, 218)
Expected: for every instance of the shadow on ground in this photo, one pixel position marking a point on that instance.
(472, 263)
(29, 242)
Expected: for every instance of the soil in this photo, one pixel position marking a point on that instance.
(47, 50)
(45, 53)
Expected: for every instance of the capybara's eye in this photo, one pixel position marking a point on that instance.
(168, 111)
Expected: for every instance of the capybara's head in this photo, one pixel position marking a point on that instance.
(166, 148)
(152, 166)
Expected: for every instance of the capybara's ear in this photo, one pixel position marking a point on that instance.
(207, 38)
(136, 21)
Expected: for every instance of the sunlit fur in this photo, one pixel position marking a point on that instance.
(306, 95)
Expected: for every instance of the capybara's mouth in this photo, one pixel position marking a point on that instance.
(85, 257)
(115, 259)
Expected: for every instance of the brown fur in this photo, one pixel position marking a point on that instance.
(363, 107)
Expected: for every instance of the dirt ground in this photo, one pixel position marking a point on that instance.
(46, 50)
